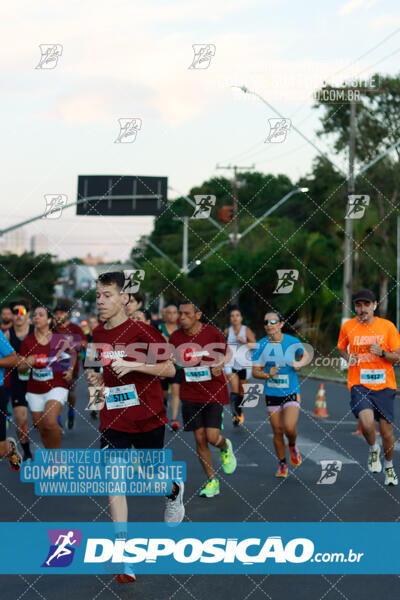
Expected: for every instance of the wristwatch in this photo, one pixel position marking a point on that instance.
(383, 354)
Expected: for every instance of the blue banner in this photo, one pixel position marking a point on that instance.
(208, 548)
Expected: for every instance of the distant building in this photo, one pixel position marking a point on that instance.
(14, 242)
(39, 244)
(93, 260)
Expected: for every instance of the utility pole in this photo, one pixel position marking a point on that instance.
(349, 225)
(185, 244)
(235, 215)
(235, 212)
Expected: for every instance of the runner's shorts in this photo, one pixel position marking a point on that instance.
(18, 393)
(4, 398)
(196, 415)
(243, 374)
(380, 401)
(177, 378)
(124, 440)
(279, 403)
(37, 402)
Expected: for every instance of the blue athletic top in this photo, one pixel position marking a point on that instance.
(280, 354)
(5, 350)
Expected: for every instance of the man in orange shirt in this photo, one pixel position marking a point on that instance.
(371, 345)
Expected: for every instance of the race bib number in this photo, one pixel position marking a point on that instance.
(121, 396)
(373, 376)
(197, 374)
(24, 376)
(279, 381)
(42, 374)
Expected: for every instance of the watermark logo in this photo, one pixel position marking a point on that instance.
(204, 204)
(278, 130)
(133, 279)
(203, 53)
(252, 394)
(62, 547)
(128, 129)
(54, 205)
(356, 206)
(330, 470)
(286, 280)
(50, 53)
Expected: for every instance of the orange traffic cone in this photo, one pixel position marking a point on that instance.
(359, 432)
(320, 403)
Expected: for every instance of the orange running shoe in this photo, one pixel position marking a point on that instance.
(295, 457)
(282, 470)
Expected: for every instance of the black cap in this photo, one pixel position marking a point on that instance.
(366, 295)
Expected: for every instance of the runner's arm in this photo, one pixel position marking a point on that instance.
(393, 356)
(11, 360)
(251, 339)
(259, 373)
(350, 358)
(161, 369)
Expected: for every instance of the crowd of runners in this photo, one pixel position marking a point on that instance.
(135, 365)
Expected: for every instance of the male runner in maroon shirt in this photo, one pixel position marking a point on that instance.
(140, 421)
(202, 352)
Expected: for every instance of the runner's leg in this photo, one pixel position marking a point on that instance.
(367, 422)
(276, 421)
(50, 431)
(175, 401)
(203, 452)
(388, 440)
(290, 418)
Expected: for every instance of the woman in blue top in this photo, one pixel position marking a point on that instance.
(276, 359)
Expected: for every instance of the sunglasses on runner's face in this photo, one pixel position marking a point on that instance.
(19, 311)
(271, 321)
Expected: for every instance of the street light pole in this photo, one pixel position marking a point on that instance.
(349, 225)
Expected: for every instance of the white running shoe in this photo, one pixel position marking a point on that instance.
(390, 476)
(174, 509)
(374, 462)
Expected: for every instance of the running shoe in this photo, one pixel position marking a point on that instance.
(295, 457)
(174, 508)
(235, 420)
(390, 476)
(71, 418)
(211, 489)
(93, 414)
(374, 462)
(282, 470)
(241, 419)
(128, 576)
(14, 458)
(228, 458)
(175, 426)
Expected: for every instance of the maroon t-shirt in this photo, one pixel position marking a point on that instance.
(77, 333)
(201, 349)
(39, 380)
(130, 341)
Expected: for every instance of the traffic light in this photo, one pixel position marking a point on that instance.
(225, 214)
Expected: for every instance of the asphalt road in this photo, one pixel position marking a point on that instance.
(252, 493)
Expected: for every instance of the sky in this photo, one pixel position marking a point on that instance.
(130, 59)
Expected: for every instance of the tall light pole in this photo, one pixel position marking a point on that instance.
(185, 243)
(349, 225)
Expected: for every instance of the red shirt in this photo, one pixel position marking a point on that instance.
(200, 350)
(30, 346)
(77, 332)
(151, 412)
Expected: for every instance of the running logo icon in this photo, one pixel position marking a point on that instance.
(50, 53)
(133, 279)
(203, 54)
(128, 129)
(252, 394)
(62, 547)
(356, 206)
(204, 204)
(287, 279)
(54, 205)
(330, 471)
(278, 130)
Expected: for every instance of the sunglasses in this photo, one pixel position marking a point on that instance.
(271, 321)
(19, 311)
